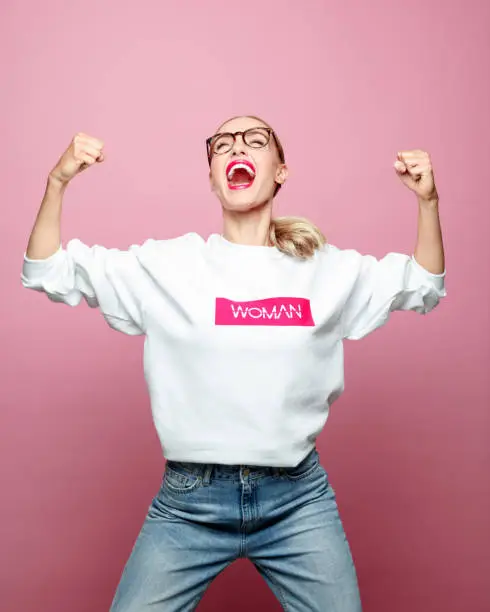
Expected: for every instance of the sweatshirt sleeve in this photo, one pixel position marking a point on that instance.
(395, 282)
(108, 279)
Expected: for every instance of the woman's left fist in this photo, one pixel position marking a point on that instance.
(415, 171)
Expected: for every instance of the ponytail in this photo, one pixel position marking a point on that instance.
(295, 236)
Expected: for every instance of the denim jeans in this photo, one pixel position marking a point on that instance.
(284, 520)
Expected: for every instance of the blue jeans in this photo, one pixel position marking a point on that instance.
(285, 520)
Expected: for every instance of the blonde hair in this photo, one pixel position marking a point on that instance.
(294, 236)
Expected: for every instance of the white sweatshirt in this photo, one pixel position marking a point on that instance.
(244, 345)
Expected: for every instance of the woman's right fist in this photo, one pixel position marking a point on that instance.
(83, 151)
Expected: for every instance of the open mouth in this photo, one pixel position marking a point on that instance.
(240, 174)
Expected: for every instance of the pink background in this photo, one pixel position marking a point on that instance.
(346, 84)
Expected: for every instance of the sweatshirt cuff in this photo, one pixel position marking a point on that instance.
(436, 279)
(45, 260)
(36, 269)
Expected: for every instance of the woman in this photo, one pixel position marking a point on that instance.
(243, 358)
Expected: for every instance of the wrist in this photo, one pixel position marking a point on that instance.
(431, 202)
(56, 183)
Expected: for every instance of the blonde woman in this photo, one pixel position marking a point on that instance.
(243, 359)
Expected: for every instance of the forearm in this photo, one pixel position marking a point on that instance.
(429, 250)
(45, 238)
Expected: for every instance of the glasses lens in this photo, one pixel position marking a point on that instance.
(222, 144)
(256, 137)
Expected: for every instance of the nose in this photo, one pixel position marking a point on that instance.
(239, 147)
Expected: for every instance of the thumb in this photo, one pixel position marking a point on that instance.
(400, 167)
(404, 175)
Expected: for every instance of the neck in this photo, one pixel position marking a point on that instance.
(250, 227)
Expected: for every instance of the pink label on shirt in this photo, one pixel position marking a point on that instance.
(272, 311)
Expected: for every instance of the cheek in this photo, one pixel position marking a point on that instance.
(269, 172)
(214, 177)
(267, 165)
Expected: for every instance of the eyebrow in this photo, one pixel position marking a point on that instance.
(254, 127)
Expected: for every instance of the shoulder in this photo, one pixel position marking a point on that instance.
(335, 255)
(345, 256)
(348, 263)
(149, 250)
(352, 263)
(179, 246)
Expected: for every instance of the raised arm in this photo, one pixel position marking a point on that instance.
(107, 278)
(398, 281)
(45, 238)
(415, 171)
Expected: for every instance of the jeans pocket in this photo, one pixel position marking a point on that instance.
(305, 468)
(179, 480)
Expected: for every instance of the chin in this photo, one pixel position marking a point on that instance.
(240, 205)
(241, 200)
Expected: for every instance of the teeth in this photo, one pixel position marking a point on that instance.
(240, 166)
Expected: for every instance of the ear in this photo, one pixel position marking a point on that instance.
(282, 174)
(211, 184)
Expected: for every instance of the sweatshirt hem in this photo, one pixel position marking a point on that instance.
(289, 456)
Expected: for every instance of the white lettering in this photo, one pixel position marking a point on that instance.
(297, 311)
(254, 308)
(239, 311)
(282, 310)
(271, 315)
(256, 312)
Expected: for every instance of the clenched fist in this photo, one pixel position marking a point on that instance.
(415, 171)
(84, 151)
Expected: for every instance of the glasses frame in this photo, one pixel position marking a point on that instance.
(269, 131)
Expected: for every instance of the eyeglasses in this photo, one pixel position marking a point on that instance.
(223, 142)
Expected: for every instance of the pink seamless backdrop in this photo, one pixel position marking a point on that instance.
(346, 85)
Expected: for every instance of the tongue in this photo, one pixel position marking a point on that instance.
(241, 177)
